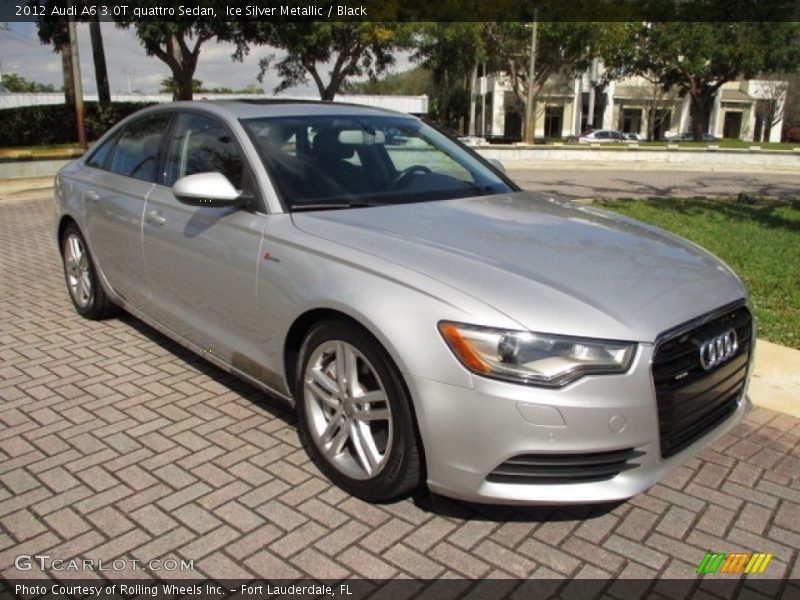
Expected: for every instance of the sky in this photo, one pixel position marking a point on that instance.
(22, 53)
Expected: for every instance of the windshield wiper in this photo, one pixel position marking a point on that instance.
(333, 205)
(481, 189)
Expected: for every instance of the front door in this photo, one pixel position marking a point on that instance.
(202, 262)
(732, 128)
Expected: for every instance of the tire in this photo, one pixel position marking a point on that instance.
(80, 273)
(368, 448)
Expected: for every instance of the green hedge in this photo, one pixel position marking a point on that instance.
(55, 123)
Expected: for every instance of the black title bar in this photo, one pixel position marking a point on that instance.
(402, 10)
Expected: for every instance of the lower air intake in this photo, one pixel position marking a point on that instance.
(564, 468)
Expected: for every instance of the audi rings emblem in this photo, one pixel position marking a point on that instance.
(718, 349)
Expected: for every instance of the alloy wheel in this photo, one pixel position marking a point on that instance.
(76, 264)
(349, 416)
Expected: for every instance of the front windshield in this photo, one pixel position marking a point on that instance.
(324, 162)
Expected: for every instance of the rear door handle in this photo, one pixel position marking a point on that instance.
(92, 197)
(155, 218)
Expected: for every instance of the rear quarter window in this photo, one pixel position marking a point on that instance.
(99, 156)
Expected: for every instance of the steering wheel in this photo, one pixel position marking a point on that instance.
(141, 165)
(406, 174)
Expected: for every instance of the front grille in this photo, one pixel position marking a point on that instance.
(564, 468)
(692, 400)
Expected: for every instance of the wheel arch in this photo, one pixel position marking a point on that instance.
(63, 223)
(301, 326)
(297, 333)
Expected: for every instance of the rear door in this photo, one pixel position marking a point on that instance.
(202, 261)
(114, 198)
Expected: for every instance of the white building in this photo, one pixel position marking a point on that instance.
(631, 105)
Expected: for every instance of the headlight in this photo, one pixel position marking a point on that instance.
(534, 358)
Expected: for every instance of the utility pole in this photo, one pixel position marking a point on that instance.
(76, 78)
(128, 74)
(592, 94)
(473, 98)
(484, 85)
(530, 111)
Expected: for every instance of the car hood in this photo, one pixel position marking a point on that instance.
(550, 265)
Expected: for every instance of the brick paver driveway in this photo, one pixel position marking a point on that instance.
(115, 442)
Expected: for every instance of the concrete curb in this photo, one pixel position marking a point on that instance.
(732, 159)
(22, 169)
(775, 382)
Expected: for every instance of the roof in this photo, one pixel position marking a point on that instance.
(736, 96)
(643, 93)
(251, 109)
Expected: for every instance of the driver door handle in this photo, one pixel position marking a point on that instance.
(155, 218)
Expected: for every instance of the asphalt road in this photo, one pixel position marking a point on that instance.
(632, 182)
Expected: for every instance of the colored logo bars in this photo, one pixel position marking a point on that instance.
(736, 562)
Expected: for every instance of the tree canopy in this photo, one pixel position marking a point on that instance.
(17, 83)
(451, 53)
(562, 47)
(169, 85)
(328, 52)
(697, 58)
(52, 29)
(178, 43)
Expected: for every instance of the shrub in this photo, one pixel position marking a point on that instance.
(55, 123)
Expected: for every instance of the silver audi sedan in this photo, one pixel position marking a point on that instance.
(431, 322)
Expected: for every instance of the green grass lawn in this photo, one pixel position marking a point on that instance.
(761, 242)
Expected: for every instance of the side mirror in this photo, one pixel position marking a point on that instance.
(207, 189)
(497, 165)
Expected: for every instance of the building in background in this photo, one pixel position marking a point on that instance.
(744, 110)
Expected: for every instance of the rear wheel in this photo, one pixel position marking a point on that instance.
(88, 296)
(355, 414)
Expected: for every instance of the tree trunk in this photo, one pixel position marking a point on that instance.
(700, 113)
(770, 121)
(183, 84)
(180, 62)
(99, 56)
(69, 81)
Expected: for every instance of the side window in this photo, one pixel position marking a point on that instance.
(136, 152)
(199, 145)
(99, 155)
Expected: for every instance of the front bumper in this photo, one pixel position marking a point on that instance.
(468, 433)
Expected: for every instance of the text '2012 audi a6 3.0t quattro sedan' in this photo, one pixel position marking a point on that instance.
(431, 322)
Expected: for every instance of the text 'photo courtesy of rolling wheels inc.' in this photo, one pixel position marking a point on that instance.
(378, 299)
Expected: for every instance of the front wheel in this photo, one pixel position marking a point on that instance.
(355, 414)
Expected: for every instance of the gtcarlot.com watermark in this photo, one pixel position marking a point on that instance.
(45, 562)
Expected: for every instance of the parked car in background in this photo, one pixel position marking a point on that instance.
(602, 136)
(472, 140)
(428, 319)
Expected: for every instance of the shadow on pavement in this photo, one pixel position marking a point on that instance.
(423, 498)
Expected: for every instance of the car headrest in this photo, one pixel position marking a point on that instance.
(328, 147)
